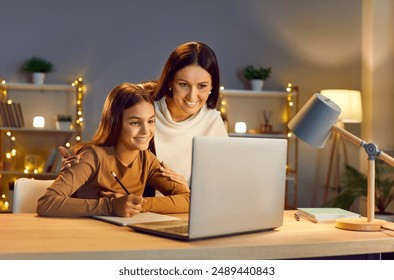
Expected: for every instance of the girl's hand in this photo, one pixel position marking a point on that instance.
(111, 195)
(67, 159)
(166, 171)
(127, 205)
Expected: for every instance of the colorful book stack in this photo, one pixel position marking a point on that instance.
(11, 115)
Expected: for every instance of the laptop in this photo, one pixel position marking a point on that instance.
(237, 186)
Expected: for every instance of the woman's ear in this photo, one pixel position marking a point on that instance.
(169, 91)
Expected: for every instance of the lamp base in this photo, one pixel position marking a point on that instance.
(359, 224)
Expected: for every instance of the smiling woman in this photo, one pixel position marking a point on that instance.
(120, 145)
(185, 101)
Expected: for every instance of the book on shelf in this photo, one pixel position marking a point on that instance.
(321, 215)
(19, 114)
(6, 122)
(11, 115)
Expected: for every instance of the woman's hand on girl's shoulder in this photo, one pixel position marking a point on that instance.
(68, 159)
(166, 171)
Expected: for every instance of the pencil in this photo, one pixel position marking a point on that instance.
(120, 182)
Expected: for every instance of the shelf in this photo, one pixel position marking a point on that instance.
(36, 130)
(252, 93)
(44, 87)
(37, 146)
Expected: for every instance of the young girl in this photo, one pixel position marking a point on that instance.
(120, 146)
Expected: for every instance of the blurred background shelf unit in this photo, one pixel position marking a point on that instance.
(266, 114)
(30, 151)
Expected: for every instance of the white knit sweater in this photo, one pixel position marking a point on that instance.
(173, 140)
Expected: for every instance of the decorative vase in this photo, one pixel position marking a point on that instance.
(38, 78)
(63, 125)
(257, 85)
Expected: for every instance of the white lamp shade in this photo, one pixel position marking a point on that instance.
(349, 101)
(313, 123)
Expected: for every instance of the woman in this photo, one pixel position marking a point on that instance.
(185, 97)
(120, 145)
(185, 101)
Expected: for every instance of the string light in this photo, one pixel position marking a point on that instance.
(4, 95)
(79, 91)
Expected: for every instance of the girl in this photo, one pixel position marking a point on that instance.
(120, 145)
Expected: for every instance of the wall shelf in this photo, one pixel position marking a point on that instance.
(44, 87)
(252, 93)
(34, 150)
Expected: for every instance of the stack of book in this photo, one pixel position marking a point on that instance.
(11, 115)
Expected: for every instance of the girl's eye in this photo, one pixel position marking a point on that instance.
(151, 121)
(134, 123)
(202, 86)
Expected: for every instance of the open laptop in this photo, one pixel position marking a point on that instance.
(237, 186)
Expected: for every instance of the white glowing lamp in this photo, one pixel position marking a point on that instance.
(349, 101)
(240, 127)
(39, 121)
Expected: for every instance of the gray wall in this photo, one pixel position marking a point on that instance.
(313, 44)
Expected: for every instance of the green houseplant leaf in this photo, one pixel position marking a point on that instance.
(64, 118)
(354, 185)
(252, 73)
(38, 65)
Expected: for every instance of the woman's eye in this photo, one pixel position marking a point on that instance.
(152, 121)
(202, 86)
(183, 85)
(134, 123)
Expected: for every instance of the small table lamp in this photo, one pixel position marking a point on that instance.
(313, 124)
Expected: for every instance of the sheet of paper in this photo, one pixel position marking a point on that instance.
(140, 218)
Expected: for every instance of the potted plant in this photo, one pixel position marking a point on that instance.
(38, 67)
(63, 122)
(354, 185)
(256, 76)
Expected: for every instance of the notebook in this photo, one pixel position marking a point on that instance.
(237, 186)
(320, 215)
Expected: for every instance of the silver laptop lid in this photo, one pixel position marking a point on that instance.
(237, 185)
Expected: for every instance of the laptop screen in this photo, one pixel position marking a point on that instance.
(237, 185)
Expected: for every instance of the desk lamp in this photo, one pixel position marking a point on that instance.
(313, 125)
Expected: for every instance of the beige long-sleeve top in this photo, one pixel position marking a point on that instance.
(173, 140)
(76, 191)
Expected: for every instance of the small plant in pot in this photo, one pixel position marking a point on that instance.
(63, 122)
(354, 185)
(38, 67)
(256, 76)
